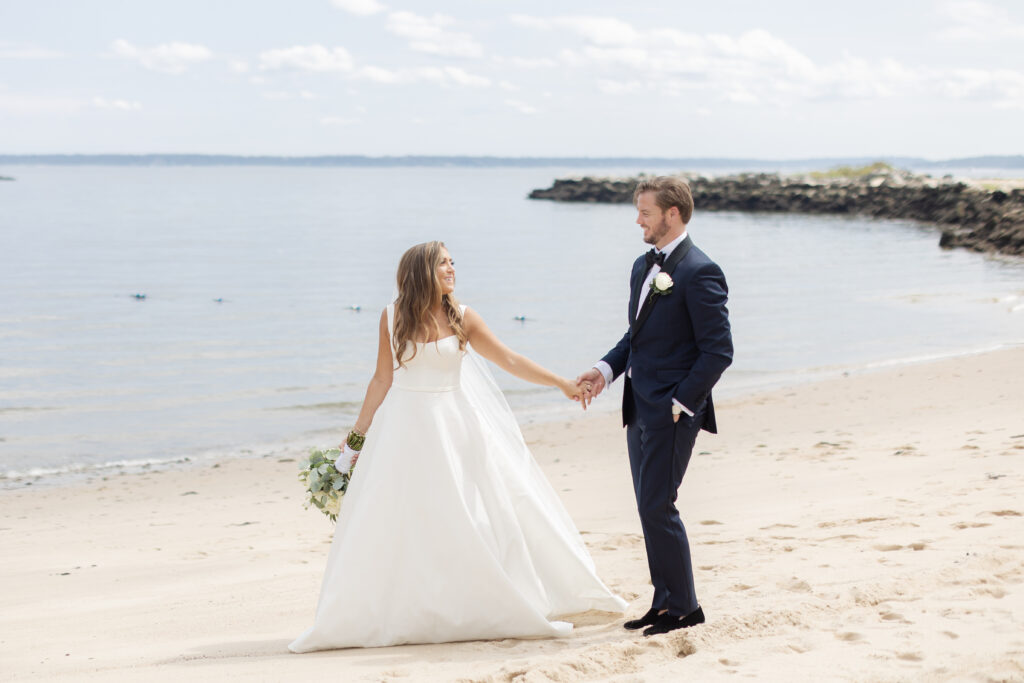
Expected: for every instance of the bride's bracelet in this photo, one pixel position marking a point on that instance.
(356, 439)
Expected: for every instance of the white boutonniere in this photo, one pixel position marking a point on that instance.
(662, 285)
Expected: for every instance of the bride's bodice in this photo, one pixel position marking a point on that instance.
(435, 367)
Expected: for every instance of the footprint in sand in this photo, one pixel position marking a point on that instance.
(708, 522)
(1005, 513)
(799, 648)
(795, 585)
(970, 525)
(506, 644)
(888, 547)
(893, 616)
(849, 636)
(684, 648)
(910, 656)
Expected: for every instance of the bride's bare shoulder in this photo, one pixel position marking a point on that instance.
(470, 318)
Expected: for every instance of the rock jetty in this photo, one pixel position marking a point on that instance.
(973, 217)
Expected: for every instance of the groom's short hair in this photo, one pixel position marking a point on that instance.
(668, 191)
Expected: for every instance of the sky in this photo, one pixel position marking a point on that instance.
(770, 80)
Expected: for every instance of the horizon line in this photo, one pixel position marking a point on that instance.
(186, 158)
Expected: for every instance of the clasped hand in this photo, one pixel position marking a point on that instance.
(589, 385)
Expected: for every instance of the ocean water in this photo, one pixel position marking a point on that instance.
(248, 341)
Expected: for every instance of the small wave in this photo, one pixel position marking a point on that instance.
(27, 409)
(339, 405)
(81, 468)
(943, 355)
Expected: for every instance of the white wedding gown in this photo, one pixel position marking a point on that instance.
(449, 530)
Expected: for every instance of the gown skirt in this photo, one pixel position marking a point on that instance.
(449, 530)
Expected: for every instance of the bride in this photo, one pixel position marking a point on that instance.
(449, 530)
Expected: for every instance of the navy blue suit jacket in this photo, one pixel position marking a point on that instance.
(678, 345)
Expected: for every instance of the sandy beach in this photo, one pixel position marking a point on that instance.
(866, 527)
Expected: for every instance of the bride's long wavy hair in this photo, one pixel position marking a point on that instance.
(419, 289)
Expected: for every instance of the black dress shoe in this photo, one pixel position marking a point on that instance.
(646, 620)
(669, 622)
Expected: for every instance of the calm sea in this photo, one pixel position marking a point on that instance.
(263, 287)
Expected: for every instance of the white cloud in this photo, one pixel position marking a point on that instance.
(360, 7)
(447, 75)
(171, 58)
(598, 30)
(618, 87)
(239, 66)
(307, 58)
(34, 105)
(378, 74)
(338, 121)
(26, 51)
(462, 77)
(521, 107)
(974, 21)
(527, 62)
(1002, 87)
(285, 95)
(431, 35)
(756, 67)
(122, 105)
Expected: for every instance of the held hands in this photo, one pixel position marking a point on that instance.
(590, 384)
(570, 389)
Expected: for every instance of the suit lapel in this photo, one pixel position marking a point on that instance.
(671, 262)
(636, 281)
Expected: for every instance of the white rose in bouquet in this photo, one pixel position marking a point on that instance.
(325, 484)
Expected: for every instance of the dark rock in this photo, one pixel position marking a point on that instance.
(969, 217)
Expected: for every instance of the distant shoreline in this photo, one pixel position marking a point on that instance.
(1007, 162)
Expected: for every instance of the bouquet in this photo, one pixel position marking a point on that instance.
(325, 484)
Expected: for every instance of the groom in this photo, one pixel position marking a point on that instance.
(677, 346)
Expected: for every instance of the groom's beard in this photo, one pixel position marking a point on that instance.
(657, 232)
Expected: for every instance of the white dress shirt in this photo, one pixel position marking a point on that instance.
(604, 368)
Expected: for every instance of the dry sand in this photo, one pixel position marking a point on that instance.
(862, 528)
